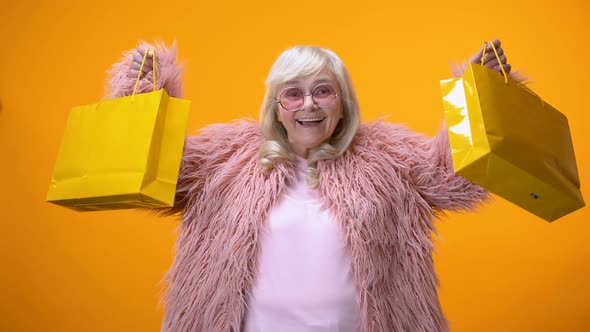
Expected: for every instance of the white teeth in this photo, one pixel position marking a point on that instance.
(310, 119)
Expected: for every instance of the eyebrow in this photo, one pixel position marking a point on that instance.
(318, 81)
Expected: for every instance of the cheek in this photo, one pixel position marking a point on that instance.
(337, 115)
(286, 119)
(335, 119)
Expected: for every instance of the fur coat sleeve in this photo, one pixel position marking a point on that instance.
(425, 163)
(435, 179)
(210, 152)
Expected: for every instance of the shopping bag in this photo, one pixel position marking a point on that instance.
(508, 140)
(121, 153)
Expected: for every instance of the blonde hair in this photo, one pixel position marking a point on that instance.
(295, 63)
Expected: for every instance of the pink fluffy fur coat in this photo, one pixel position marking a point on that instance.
(384, 191)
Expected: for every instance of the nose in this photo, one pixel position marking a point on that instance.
(308, 103)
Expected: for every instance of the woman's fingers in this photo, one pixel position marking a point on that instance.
(496, 66)
(136, 65)
(497, 43)
(494, 62)
(489, 52)
(490, 55)
(476, 58)
(133, 73)
(491, 59)
(137, 59)
(507, 68)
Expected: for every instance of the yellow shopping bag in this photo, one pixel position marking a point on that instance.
(121, 153)
(508, 140)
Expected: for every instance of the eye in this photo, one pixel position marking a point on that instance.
(323, 91)
(292, 94)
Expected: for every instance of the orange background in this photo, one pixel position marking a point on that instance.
(501, 269)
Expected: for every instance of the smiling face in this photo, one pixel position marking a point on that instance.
(311, 125)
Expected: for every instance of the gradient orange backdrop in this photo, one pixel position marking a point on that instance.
(501, 269)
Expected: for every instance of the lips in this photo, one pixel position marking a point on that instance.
(307, 122)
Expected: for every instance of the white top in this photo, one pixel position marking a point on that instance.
(304, 281)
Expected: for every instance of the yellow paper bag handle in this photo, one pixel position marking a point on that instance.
(483, 55)
(153, 53)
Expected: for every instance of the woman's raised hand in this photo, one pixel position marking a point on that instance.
(138, 58)
(490, 60)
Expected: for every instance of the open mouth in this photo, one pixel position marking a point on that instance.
(310, 122)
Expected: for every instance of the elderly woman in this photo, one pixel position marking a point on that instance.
(308, 220)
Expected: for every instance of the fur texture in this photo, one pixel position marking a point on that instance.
(385, 190)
